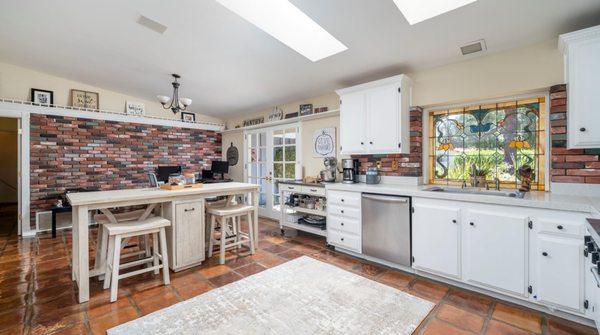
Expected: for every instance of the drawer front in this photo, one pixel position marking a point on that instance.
(344, 224)
(344, 211)
(561, 227)
(351, 199)
(313, 190)
(289, 187)
(344, 240)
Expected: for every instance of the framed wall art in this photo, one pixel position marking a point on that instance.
(135, 108)
(42, 97)
(188, 117)
(306, 109)
(84, 99)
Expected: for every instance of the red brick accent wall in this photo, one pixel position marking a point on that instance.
(69, 152)
(401, 164)
(569, 166)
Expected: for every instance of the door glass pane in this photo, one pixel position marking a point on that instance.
(253, 155)
(263, 186)
(278, 170)
(278, 154)
(290, 136)
(290, 170)
(278, 137)
(262, 154)
(253, 140)
(262, 139)
(262, 200)
(262, 170)
(290, 153)
(253, 170)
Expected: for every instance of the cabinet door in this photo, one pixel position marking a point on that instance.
(583, 98)
(383, 119)
(352, 123)
(436, 239)
(189, 233)
(559, 271)
(495, 252)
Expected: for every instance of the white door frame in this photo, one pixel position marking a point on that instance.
(269, 162)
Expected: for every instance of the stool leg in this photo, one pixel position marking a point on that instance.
(101, 250)
(211, 237)
(114, 280)
(155, 250)
(222, 241)
(147, 245)
(109, 261)
(165, 256)
(250, 231)
(238, 230)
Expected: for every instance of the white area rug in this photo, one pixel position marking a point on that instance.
(303, 296)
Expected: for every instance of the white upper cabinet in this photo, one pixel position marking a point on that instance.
(581, 50)
(375, 117)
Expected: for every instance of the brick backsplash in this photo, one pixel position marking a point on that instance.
(569, 166)
(401, 164)
(68, 152)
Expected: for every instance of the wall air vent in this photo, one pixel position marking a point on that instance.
(151, 24)
(473, 47)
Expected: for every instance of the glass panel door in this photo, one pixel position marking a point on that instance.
(284, 160)
(256, 164)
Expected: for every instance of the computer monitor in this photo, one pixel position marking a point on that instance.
(220, 167)
(163, 172)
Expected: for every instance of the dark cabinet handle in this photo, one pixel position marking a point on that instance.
(342, 211)
(582, 129)
(189, 210)
(313, 190)
(560, 227)
(453, 221)
(362, 143)
(342, 223)
(371, 142)
(291, 188)
(544, 253)
(471, 223)
(342, 239)
(342, 199)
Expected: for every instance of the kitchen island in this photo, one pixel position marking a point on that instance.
(82, 203)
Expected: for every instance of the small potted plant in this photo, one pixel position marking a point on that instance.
(479, 176)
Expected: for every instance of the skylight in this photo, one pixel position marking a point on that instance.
(284, 21)
(416, 11)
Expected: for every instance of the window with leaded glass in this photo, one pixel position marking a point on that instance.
(494, 139)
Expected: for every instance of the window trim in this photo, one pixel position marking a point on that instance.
(534, 94)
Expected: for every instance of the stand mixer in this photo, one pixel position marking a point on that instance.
(328, 175)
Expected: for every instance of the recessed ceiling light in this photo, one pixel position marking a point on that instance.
(284, 21)
(416, 11)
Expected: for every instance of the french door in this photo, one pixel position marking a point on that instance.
(271, 155)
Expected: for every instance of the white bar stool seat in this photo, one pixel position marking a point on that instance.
(231, 235)
(116, 232)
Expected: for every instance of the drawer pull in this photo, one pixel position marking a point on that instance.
(313, 190)
(342, 239)
(342, 223)
(291, 188)
(342, 200)
(582, 129)
(189, 210)
(472, 224)
(560, 227)
(544, 253)
(342, 211)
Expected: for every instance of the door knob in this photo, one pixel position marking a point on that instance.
(582, 129)
(544, 253)
(453, 221)
(471, 223)
(560, 227)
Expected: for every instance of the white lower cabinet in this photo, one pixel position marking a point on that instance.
(442, 225)
(344, 228)
(495, 250)
(185, 236)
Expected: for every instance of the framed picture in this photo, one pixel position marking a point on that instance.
(188, 117)
(321, 110)
(84, 99)
(324, 142)
(306, 109)
(291, 115)
(42, 97)
(135, 108)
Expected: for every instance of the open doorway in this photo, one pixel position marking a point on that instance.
(9, 155)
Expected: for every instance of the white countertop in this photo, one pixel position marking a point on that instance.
(534, 199)
(101, 197)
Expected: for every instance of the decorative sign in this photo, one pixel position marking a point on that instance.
(135, 108)
(275, 115)
(306, 109)
(42, 97)
(253, 122)
(83, 99)
(188, 117)
(233, 155)
(324, 142)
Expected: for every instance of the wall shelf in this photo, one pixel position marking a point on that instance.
(331, 113)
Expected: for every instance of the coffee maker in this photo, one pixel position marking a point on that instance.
(350, 171)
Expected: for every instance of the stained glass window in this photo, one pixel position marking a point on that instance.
(494, 139)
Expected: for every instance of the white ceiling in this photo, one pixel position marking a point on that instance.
(229, 66)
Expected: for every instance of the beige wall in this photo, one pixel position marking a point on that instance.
(236, 172)
(16, 83)
(518, 71)
(9, 154)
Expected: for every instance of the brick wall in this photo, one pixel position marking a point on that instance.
(69, 152)
(569, 166)
(401, 164)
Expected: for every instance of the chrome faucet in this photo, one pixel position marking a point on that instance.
(497, 184)
(464, 184)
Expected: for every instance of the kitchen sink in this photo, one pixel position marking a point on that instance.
(473, 190)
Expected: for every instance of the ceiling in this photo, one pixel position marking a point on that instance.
(229, 66)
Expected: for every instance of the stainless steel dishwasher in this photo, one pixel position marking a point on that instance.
(386, 228)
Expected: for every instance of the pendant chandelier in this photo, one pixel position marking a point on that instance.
(177, 104)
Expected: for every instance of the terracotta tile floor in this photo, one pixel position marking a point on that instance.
(38, 297)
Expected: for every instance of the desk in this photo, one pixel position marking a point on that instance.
(84, 202)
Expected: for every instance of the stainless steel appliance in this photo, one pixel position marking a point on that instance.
(328, 175)
(350, 171)
(372, 176)
(386, 228)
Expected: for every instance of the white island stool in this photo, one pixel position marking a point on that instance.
(116, 232)
(231, 234)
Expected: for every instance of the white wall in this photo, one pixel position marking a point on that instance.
(518, 71)
(16, 83)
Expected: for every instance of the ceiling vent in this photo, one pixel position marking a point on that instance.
(151, 24)
(473, 47)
